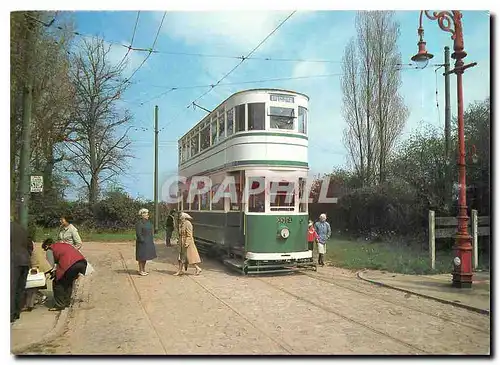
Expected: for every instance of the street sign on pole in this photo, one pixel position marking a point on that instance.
(36, 184)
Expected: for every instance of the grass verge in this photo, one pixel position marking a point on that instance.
(393, 257)
(97, 236)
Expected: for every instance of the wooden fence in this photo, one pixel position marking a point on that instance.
(477, 226)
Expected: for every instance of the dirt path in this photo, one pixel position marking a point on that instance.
(221, 312)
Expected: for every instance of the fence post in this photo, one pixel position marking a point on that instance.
(432, 239)
(474, 239)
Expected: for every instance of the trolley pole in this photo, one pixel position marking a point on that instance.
(156, 172)
(24, 163)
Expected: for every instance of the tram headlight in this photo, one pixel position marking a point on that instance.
(285, 232)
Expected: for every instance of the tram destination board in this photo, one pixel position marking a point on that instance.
(282, 98)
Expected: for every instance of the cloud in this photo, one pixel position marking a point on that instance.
(236, 30)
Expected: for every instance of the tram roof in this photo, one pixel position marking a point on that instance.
(240, 92)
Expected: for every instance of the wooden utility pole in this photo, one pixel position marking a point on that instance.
(156, 172)
(24, 161)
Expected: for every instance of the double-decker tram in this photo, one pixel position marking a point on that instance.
(252, 149)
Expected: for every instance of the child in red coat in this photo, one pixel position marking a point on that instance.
(312, 236)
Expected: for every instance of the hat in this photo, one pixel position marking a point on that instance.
(184, 215)
(322, 216)
(143, 210)
(310, 224)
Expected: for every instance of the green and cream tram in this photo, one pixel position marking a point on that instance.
(256, 139)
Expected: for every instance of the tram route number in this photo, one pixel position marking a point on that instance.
(284, 219)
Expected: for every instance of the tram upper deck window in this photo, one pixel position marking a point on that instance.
(205, 138)
(282, 196)
(281, 118)
(257, 194)
(302, 120)
(221, 126)
(194, 145)
(214, 131)
(256, 116)
(239, 118)
(230, 122)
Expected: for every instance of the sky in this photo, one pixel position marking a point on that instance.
(307, 35)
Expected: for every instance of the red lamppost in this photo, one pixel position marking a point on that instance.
(462, 262)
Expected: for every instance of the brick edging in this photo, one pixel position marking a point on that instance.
(455, 304)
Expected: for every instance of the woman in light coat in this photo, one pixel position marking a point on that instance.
(68, 233)
(188, 253)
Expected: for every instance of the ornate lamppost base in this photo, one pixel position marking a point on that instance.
(461, 282)
(462, 262)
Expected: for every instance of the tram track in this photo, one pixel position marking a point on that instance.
(286, 347)
(132, 283)
(374, 296)
(351, 320)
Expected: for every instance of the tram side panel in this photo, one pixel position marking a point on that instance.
(263, 233)
(220, 232)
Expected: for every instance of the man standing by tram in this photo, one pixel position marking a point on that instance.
(170, 226)
(324, 232)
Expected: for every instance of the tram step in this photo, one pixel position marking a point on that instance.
(235, 263)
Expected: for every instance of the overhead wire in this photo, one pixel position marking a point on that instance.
(132, 40)
(243, 59)
(174, 88)
(242, 83)
(150, 51)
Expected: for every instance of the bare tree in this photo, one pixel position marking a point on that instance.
(372, 107)
(354, 134)
(391, 113)
(97, 146)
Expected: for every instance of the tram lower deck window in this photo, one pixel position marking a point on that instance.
(282, 196)
(257, 195)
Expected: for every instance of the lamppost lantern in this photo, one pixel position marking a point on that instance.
(451, 22)
(422, 57)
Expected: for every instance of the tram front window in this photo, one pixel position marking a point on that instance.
(282, 196)
(282, 118)
(257, 195)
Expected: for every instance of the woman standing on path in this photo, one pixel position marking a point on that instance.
(68, 233)
(144, 245)
(188, 253)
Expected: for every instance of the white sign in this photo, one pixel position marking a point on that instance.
(36, 184)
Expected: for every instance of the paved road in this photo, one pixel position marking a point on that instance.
(220, 312)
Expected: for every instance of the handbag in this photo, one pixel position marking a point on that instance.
(89, 270)
(35, 279)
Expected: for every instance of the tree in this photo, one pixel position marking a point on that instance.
(372, 107)
(53, 102)
(51, 94)
(97, 148)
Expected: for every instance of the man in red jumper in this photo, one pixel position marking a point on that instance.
(69, 263)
